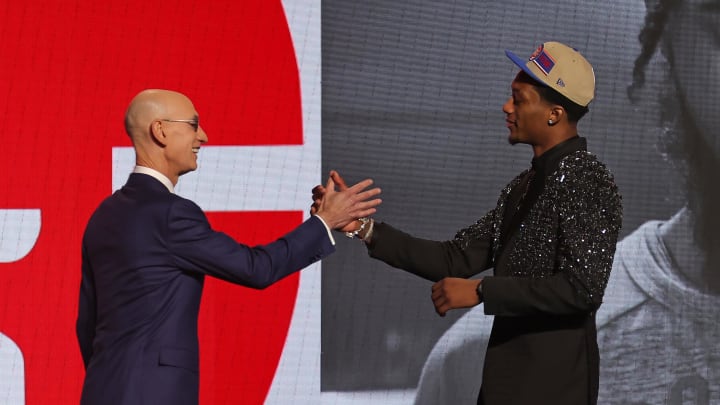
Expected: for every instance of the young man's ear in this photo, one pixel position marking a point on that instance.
(556, 114)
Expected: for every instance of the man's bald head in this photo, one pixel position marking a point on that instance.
(150, 105)
(165, 131)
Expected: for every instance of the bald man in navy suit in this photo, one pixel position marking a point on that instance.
(146, 251)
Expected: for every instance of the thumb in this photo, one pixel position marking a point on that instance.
(330, 186)
(335, 176)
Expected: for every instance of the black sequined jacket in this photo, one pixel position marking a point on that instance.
(548, 281)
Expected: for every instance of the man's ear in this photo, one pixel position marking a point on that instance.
(157, 133)
(557, 113)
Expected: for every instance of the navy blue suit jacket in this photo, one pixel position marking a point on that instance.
(145, 254)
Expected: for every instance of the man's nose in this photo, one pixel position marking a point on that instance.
(507, 107)
(202, 135)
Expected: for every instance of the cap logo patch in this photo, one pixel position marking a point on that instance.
(543, 60)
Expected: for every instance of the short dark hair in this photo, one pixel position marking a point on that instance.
(548, 94)
(574, 111)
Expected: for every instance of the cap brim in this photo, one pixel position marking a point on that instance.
(522, 64)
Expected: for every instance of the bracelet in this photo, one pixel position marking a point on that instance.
(368, 234)
(355, 233)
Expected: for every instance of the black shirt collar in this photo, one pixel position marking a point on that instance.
(548, 162)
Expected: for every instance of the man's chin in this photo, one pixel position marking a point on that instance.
(186, 171)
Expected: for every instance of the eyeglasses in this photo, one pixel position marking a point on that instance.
(194, 123)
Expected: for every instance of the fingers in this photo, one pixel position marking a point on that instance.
(352, 226)
(318, 191)
(339, 205)
(364, 213)
(436, 291)
(317, 194)
(362, 209)
(364, 195)
(359, 186)
(334, 180)
(441, 306)
(364, 202)
(452, 293)
(438, 298)
(339, 181)
(437, 286)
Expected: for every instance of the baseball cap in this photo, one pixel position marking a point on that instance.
(561, 68)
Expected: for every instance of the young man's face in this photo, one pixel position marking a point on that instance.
(694, 50)
(526, 113)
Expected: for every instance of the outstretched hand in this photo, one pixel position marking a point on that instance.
(340, 206)
(452, 293)
(319, 191)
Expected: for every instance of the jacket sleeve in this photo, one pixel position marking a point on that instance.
(199, 249)
(85, 325)
(590, 216)
(466, 255)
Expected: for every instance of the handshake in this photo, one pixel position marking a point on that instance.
(344, 208)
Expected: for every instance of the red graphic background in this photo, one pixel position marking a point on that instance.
(67, 71)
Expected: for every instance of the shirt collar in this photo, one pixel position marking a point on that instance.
(157, 175)
(548, 162)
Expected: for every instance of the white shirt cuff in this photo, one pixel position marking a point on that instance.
(327, 228)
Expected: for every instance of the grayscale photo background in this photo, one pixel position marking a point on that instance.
(412, 97)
